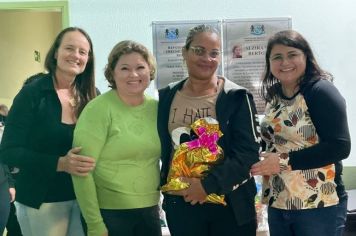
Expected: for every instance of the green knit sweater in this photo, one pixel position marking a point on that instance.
(125, 143)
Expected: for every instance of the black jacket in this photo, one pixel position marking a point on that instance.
(236, 113)
(34, 138)
(5, 175)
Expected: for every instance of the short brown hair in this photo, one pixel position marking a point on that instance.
(123, 48)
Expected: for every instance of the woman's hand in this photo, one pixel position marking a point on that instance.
(12, 192)
(268, 165)
(76, 164)
(194, 193)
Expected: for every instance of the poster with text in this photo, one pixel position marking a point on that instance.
(245, 42)
(168, 40)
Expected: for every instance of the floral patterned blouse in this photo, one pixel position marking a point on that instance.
(288, 127)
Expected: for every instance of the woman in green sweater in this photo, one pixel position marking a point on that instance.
(120, 196)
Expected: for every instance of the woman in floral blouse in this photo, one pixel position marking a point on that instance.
(306, 136)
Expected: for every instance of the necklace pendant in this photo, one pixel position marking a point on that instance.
(72, 102)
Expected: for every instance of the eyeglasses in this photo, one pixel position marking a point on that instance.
(200, 51)
(278, 58)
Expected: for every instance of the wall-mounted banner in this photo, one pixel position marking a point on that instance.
(245, 42)
(168, 40)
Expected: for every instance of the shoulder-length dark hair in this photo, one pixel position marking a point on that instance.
(290, 38)
(84, 83)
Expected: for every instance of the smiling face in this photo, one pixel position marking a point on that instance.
(203, 56)
(287, 64)
(72, 54)
(131, 75)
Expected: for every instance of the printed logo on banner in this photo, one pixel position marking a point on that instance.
(257, 29)
(172, 34)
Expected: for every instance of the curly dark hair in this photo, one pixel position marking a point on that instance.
(197, 30)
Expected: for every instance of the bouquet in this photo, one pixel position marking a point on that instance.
(195, 158)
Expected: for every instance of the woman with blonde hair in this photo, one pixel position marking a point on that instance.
(119, 130)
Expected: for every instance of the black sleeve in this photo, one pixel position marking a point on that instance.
(14, 149)
(240, 151)
(10, 178)
(328, 112)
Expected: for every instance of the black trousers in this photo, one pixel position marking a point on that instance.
(133, 222)
(207, 219)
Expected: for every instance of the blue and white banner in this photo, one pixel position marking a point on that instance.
(168, 40)
(245, 42)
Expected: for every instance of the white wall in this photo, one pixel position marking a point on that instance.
(327, 24)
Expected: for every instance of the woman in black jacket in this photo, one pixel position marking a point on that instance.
(39, 133)
(204, 94)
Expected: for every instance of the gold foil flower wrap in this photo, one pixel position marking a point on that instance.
(196, 157)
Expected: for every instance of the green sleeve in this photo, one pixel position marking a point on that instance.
(90, 134)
